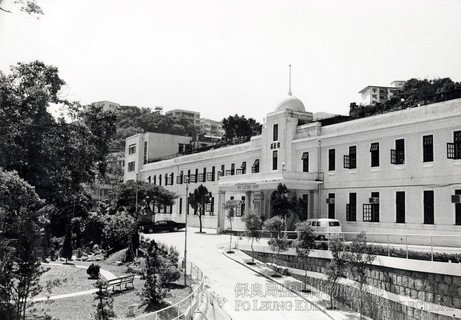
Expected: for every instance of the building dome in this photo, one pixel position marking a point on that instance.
(291, 103)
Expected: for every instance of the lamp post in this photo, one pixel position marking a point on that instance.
(185, 230)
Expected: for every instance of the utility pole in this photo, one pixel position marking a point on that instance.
(185, 231)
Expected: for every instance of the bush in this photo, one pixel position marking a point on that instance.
(161, 271)
(93, 271)
(117, 231)
(170, 272)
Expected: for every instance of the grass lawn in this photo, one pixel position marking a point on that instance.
(74, 279)
(68, 279)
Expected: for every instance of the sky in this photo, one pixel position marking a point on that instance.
(224, 57)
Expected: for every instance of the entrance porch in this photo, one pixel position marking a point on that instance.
(256, 190)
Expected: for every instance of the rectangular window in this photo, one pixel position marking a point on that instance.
(131, 148)
(331, 206)
(255, 166)
(166, 179)
(305, 159)
(155, 179)
(353, 157)
(398, 154)
(428, 148)
(131, 166)
(204, 175)
(331, 160)
(275, 132)
(233, 169)
(145, 152)
(350, 160)
(458, 210)
(428, 207)
(180, 205)
(374, 152)
(159, 179)
(371, 209)
(454, 148)
(196, 176)
(351, 208)
(400, 207)
(274, 160)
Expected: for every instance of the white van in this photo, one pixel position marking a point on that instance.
(325, 228)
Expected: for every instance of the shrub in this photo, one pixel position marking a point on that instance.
(93, 271)
(117, 231)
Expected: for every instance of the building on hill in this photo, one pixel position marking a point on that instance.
(397, 172)
(107, 105)
(202, 125)
(375, 94)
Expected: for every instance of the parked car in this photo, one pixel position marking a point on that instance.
(325, 228)
(162, 225)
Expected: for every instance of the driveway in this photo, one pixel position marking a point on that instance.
(246, 295)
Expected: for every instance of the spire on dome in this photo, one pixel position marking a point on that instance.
(289, 80)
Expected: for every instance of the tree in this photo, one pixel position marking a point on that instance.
(118, 231)
(198, 200)
(336, 268)
(278, 240)
(149, 196)
(304, 244)
(154, 291)
(231, 207)
(253, 224)
(28, 6)
(239, 129)
(66, 251)
(20, 224)
(414, 92)
(283, 204)
(54, 156)
(104, 306)
(359, 259)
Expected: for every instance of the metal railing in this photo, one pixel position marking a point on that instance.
(185, 308)
(390, 244)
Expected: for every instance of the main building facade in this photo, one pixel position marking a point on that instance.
(397, 172)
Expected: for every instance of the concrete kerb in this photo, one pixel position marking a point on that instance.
(332, 314)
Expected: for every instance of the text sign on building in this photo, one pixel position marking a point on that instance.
(275, 145)
(247, 187)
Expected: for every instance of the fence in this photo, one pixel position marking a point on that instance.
(185, 308)
(390, 244)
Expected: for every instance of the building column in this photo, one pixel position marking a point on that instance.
(247, 201)
(221, 213)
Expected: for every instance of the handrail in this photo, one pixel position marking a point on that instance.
(432, 244)
(191, 301)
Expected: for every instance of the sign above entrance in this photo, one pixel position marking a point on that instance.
(275, 145)
(247, 186)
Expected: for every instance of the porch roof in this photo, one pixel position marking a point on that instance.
(270, 181)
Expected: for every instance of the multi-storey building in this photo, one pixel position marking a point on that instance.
(374, 94)
(202, 125)
(396, 172)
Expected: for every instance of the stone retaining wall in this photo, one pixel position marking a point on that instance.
(441, 290)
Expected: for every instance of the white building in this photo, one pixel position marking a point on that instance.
(394, 172)
(374, 94)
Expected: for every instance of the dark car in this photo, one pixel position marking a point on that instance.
(162, 225)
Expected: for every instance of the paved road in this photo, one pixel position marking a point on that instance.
(247, 295)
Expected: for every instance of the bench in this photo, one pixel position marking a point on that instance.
(118, 282)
